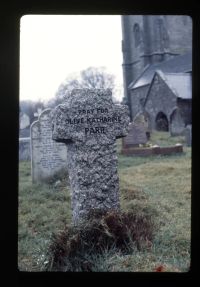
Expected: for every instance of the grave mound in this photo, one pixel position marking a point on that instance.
(70, 249)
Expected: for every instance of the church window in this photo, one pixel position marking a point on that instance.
(137, 34)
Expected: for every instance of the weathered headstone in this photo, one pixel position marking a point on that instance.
(24, 121)
(89, 123)
(143, 120)
(47, 156)
(177, 124)
(137, 135)
(38, 113)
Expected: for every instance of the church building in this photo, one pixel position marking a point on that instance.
(157, 69)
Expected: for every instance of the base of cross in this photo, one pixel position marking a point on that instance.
(93, 179)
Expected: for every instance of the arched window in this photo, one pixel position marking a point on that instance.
(162, 123)
(137, 34)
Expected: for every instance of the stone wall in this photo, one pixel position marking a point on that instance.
(158, 38)
(180, 33)
(137, 96)
(185, 106)
(160, 99)
(131, 49)
(47, 156)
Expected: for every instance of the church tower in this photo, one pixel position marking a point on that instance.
(149, 39)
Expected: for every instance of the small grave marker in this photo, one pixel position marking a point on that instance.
(137, 135)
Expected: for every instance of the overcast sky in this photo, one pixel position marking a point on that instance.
(53, 47)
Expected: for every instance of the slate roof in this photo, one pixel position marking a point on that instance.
(178, 64)
(180, 84)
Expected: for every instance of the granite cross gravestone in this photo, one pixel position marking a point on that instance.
(89, 123)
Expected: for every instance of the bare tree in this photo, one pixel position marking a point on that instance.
(92, 77)
(97, 78)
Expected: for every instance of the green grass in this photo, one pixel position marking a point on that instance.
(42, 210)
(157, 185)
(164, 139)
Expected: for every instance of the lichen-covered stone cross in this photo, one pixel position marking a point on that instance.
(89, 123)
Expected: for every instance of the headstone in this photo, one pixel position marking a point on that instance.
(24, 121)
(89, 123)
(177, 124)
(142, 119)
(47, 156)
(188, 135)
(137, 135)
(38, 113)
(24, 149)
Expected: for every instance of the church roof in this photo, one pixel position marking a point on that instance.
(177, 64)
(179, 83)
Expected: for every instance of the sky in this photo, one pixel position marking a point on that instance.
(54, 46)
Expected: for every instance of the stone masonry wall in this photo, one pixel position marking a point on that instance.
(136, 99)
(185, 107)
(160, 99)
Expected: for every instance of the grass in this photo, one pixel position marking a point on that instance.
(78, 248)
(43, 209)
(158, 186)
(164, 139)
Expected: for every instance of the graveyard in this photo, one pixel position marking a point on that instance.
(104, 181)
(158, 186)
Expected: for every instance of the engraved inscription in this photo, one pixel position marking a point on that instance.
(89, 123)
(48, 156)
